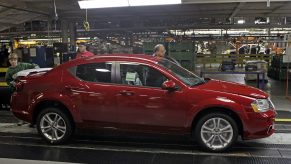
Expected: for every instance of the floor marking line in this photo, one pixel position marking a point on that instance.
(160, 151)
(113, 142)
(283, 120)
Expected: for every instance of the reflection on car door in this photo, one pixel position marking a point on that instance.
(142, 102)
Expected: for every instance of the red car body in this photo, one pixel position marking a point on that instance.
(135, 108)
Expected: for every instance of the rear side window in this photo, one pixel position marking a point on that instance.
(93, 72)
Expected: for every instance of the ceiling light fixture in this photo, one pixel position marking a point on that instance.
(268, 3)
(153, 2)
(90, 4)
(241, 21)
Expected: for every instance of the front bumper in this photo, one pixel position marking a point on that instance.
(259, 125)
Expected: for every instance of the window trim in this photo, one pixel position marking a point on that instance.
(118, 76)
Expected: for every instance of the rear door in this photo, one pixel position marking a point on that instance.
(90, 88)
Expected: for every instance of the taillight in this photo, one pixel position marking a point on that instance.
(19, 86)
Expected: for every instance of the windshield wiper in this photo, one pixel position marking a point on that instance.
(203, 81)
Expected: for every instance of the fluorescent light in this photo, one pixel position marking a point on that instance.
(153, 2)
(90, 4)
(241, 21)
(102, 70)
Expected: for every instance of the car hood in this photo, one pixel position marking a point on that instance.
(235, 88)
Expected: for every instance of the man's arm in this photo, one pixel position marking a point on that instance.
(8, 77)
(9, 80)
(29, 66)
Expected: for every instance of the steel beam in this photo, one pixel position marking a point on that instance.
(236, 10)
(23, 9)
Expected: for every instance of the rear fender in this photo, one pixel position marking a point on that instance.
(65, 100)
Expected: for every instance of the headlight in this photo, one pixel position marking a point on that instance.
(262, 105)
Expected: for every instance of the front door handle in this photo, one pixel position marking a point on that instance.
(126, 93)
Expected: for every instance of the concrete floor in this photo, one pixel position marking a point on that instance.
(21, 144)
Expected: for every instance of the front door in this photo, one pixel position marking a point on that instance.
(143, 103)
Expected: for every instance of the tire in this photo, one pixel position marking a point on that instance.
(216, 139)
(54, 126)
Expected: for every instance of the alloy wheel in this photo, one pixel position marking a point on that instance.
(53, 126)
(217, 133)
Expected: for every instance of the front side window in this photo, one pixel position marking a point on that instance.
(94, 72)
(140, 75)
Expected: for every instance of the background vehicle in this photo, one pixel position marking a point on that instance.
(247, 49)
(142, 94)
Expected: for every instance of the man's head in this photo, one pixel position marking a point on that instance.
(82, 47)
(160, 51)
(13, 59)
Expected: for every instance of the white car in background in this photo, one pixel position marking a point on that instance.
(233, 50)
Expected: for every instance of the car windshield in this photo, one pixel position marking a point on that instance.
(184, 75)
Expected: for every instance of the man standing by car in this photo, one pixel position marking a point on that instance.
(83, 51)
(13, 70)
(160, 51)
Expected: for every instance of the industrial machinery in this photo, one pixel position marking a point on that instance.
(227, 65)
(255, 65)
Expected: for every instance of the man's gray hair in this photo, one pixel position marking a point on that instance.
(157, 47)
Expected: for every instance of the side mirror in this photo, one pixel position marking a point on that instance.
(169, 85)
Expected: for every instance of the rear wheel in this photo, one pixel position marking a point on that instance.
(216, 132)
(54, 126)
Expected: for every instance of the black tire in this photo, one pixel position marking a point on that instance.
(198, 136)
(67, 122)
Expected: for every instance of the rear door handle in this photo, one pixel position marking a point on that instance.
(126, 93)
(73, 88)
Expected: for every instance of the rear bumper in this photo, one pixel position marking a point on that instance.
(259, 125)
(19, 109)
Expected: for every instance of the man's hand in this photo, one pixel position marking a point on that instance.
(14, 76)
(13, 83)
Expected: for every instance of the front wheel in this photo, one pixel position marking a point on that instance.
(54, 126)
(216, 132)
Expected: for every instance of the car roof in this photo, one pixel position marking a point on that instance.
(141, 57)
(145, 57)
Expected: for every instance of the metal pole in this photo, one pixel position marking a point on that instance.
(287, 82)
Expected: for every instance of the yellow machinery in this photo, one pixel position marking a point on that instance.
(2, 77)
(4, 90)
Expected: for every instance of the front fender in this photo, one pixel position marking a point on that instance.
(219, 102)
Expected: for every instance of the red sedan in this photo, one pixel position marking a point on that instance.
(143, 94)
